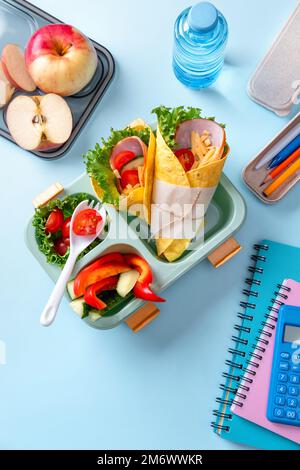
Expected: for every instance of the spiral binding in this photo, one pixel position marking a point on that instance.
(235, 392)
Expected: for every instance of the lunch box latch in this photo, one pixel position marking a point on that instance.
(50, 193)
(224, 252)
(142, 317)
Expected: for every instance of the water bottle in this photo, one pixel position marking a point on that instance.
(200, 38)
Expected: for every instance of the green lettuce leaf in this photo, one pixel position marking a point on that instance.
(45, 240)
(169, 118)
(97, 161)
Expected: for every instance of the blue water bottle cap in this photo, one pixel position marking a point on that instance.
(203, 17)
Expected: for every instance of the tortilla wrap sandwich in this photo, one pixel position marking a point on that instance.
(190, 156)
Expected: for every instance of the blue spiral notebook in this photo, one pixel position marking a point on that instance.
(272, 263)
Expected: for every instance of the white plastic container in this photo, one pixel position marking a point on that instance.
(276, 82)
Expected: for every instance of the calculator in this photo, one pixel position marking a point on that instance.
(284, 393)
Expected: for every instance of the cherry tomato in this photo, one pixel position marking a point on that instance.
(129, 177)
(55, 221)
(86, 222)
(186, 158)
(122, 158)
(65, 231)
(60, 247)
(66, 241)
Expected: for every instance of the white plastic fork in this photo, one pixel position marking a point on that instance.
(77, 245)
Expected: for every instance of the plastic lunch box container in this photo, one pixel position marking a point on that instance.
(224, 217)
(19, 20)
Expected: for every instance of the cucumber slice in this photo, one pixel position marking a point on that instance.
(127, 282)
(70, 289)
(77, 306)
(94, 315)
(139, 161)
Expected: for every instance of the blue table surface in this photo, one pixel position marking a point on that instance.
(70, 386)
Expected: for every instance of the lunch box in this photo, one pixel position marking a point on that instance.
(19, 20)
(276, 81)
(224, 217)
(254, 176)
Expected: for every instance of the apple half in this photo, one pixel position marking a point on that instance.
(39, 122)
(14, 68)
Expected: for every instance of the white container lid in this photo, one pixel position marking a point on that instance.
(276, 82)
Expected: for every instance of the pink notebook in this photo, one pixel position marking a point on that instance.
(252, 397)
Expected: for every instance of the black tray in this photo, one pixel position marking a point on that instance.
(25, 18)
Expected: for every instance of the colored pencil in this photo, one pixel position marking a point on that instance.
(278, 147)
(285, 153)
(291, 170)
(272, 175)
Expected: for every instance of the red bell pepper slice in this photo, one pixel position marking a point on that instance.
(103, 272)
(90, 296)
(141, 265)
(141, 289)
(113, 264)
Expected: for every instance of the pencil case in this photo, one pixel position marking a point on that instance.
(276, 81)
(257, 170)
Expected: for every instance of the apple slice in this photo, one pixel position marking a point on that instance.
(14, 67)
(2, 74)
(6, 90)
(39, 122)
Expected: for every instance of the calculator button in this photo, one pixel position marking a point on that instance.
(278, 412)
(290, 414)
(292, 402)
(282, 389)
(295, 379)
(284, 355)
(282, 377)
(294, 391)
(281, 401)
(284, 366)
(296, 359)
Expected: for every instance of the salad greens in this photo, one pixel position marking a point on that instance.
(169, 118)
(97, 161)
(45, 240)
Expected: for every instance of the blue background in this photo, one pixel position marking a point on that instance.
(70, 386)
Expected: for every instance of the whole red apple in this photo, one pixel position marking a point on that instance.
(60, 59)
